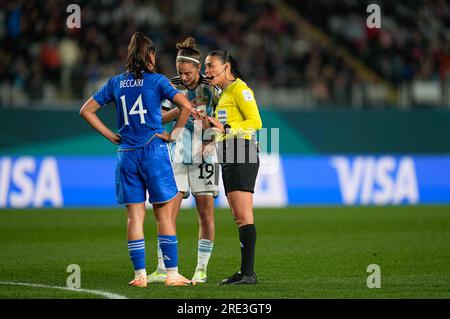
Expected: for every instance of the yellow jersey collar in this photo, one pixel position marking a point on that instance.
(232, 85)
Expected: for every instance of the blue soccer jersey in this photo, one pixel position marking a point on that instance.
(138, 105)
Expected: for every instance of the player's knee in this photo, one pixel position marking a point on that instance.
(135, 217)
(166, 219)
(243, 219)
(135, 223)
(206, 217)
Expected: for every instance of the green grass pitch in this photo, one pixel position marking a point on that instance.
(305, 252)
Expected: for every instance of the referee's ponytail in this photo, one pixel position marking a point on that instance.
(235, 70)
(225, 57)
(138, 58)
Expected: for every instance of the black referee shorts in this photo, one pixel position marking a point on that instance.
(240, 164)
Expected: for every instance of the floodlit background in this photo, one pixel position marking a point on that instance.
(356, 162)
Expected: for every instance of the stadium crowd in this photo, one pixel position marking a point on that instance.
(39, 55)
(412, 43)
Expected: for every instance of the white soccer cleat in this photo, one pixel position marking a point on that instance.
(156, 276)
(199, 276)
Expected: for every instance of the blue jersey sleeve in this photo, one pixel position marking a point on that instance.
(106, 93)
(166, 89)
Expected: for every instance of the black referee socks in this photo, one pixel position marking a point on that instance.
(247, 236)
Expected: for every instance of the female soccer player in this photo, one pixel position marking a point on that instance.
(236, 120)
(191, 173)
(143, 157)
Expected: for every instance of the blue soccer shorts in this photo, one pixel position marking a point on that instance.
(145, 169)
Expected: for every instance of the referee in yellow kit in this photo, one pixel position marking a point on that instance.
(236, 120)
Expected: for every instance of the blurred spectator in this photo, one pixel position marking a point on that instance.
(37, 50)
(13, 21)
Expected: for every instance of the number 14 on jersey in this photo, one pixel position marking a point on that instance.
(137, 105)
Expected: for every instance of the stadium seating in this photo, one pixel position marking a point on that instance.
(303, 56)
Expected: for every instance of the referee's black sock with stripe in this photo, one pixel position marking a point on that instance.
(247, 236)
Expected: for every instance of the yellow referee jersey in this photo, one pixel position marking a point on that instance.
(237, 107)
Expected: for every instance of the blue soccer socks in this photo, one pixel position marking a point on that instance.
(169, 249)
(136, 249)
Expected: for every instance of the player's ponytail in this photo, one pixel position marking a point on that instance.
(188, 51)
(138, 58)
(225, 57)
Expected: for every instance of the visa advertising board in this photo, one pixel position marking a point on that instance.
(27, 181)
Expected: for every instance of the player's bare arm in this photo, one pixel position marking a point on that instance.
(88, 112)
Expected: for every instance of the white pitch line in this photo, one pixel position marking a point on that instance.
(95, 292)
